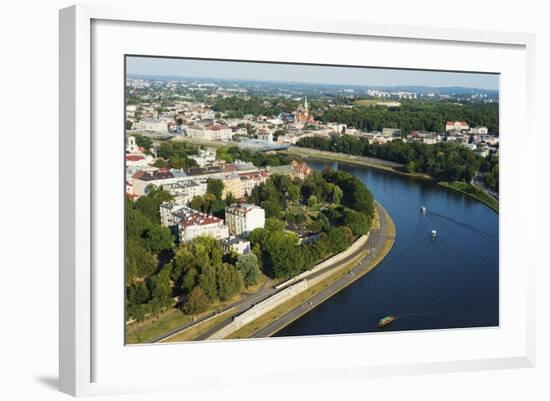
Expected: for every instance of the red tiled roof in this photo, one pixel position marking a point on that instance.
(199, 219)
(134, 158)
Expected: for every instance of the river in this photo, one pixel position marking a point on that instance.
(447, 282)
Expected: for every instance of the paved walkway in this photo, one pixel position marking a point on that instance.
(253, 299)
(375, 245)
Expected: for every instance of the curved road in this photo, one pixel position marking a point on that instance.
(375, 245)
(243, 305)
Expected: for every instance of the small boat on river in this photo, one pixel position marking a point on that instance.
(385, 321)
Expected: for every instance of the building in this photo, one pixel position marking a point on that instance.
(479, 130)
(184, 191)
(300, 170)
(266, 136)
(204, 158)
(235, 244)
(131, 145)
(302, 115)
(391, 132)
(214, 132)
(456, 126)
(231, 185)
(243, 218)
(151, 124)
(136, 161)
(249, 181)
(189, 223)
(142, 179)
(429, 138)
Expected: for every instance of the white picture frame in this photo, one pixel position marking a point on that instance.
(80, 344)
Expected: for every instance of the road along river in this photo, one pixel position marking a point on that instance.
(447, 282)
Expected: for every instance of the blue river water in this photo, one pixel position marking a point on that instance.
(447, 282)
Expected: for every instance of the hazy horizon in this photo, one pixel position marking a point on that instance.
(306, 74)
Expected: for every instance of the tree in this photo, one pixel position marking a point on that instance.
(215, 187)
(248, 266)
(338, 239)
(282, 255)
(312, 201)
(137, 293)
(139, 262)
(358, 222)
(158, 238)
(410, 167)
(161, 291)
(272, 208)
(208, 282)
(196, 302)
(230, 282)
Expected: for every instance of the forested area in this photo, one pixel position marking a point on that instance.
(415, 116)
(445, 161)
(237, 107)
(259, 159)
(334, 204)
(490, 168)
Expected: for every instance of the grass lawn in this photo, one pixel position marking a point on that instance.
(196, 330)
(152, 328)
(370, 102)
(472, 191)
(143, 332)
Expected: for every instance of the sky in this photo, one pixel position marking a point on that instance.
(237, 70)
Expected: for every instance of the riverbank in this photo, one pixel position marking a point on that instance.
(379, 164)
(472, 192)
(395, 168)
(381, 240)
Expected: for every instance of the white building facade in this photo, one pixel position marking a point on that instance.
(243, 218)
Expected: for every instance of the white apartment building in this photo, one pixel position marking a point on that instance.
(184, 191)
(479, 130)
(265, 136)
(235, 244)
(151, 124)
(192, 223)
(243, 218)
(204, 157)
(214, 132)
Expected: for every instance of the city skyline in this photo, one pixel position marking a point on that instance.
(307, 74)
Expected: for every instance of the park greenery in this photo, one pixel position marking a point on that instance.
(259, 159)
(333, 205)
(445, 161)
(237, 107)
(417, 115)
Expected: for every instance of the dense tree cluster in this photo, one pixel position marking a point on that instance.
(445, 161)
(175, 154)
(157, 270)
(212, 202)
(490, 168)
(415, 116)
(148, 288)
(334, 204)
(259, 159)
(199, 263)
(237, 107)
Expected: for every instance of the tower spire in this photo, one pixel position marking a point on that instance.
(305, 106)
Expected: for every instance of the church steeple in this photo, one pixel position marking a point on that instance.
(305, 106)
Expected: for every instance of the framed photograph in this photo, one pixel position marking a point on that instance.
(290, 198)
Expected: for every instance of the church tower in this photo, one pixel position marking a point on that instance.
(306, 111)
